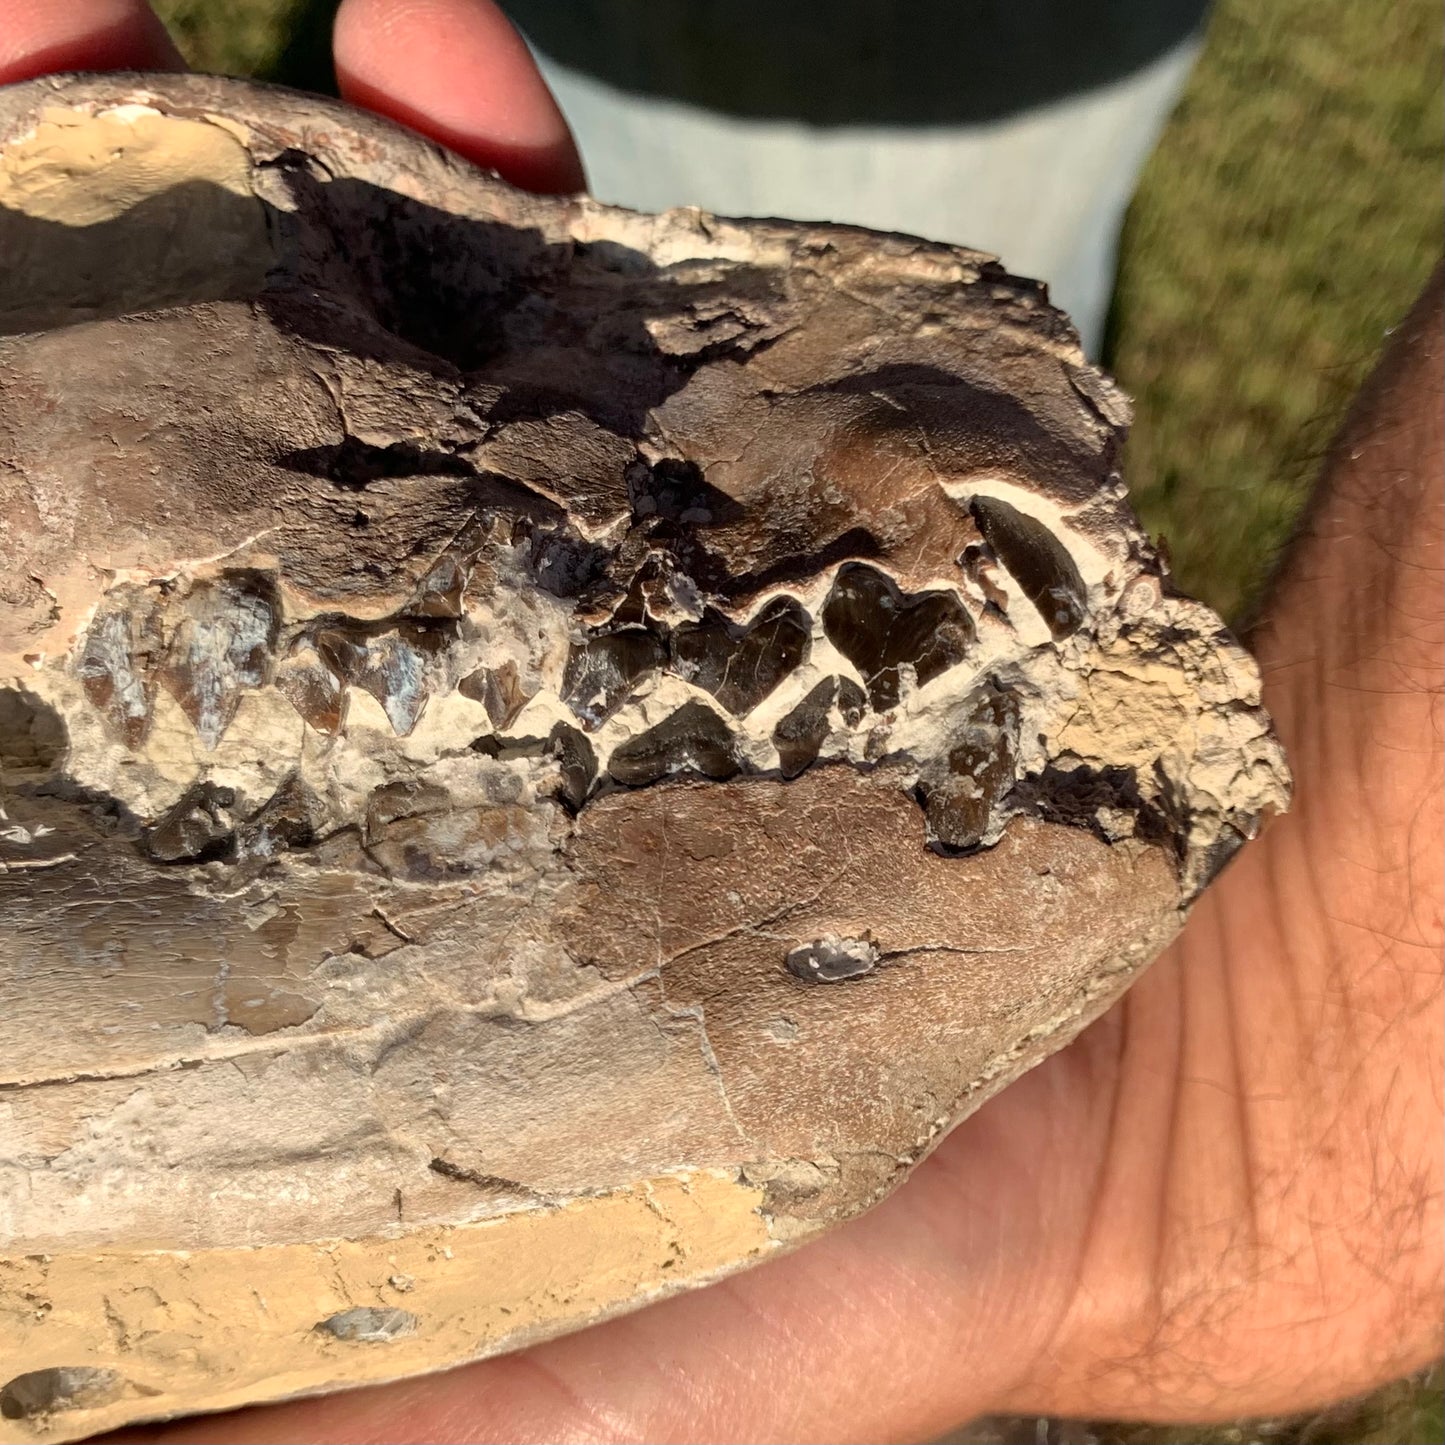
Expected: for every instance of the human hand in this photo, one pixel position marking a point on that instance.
(1224, 1199)
(454, 70)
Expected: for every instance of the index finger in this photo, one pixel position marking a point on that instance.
(39, 36)
(457, 71)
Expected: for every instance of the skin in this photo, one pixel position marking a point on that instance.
(1225, 1199)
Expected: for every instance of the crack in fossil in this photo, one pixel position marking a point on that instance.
(492, 1182)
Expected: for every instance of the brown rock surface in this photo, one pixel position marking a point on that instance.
(545, 753)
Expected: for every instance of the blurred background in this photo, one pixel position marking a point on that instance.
(1286, 218)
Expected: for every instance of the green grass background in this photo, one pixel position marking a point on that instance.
(1288, 218)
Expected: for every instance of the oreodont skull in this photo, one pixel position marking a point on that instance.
(548, 753)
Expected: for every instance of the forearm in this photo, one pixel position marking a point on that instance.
(1332, 926)
(1351, 642)
(1274, 1137)
(1355, 613)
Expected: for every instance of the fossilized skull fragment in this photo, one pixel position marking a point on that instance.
(545, 753)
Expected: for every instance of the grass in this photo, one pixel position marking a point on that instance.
(288, 41)
(1288, 218)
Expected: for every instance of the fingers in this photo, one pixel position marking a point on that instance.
(40, 36)
(923, 1313)
(453, 69)
(457, 71)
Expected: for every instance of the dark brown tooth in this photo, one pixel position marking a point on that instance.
(439, 593)
(980, 770)
(741, 665)
(694, 739)
(852, 701)
(313, 688)
(199, 827)
(289, 818)
(799, 737)
(578, 763)
(499, 690)
(1037, 560)
(600, 672)
(880, 628)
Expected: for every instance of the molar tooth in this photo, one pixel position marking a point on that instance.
(693, 739)
(578, 763)
(741, 665)
(198, 827)
(499, 690)
(799, 737)
(960, 798)
(222, 646)
(601, 671)
(879, 629)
